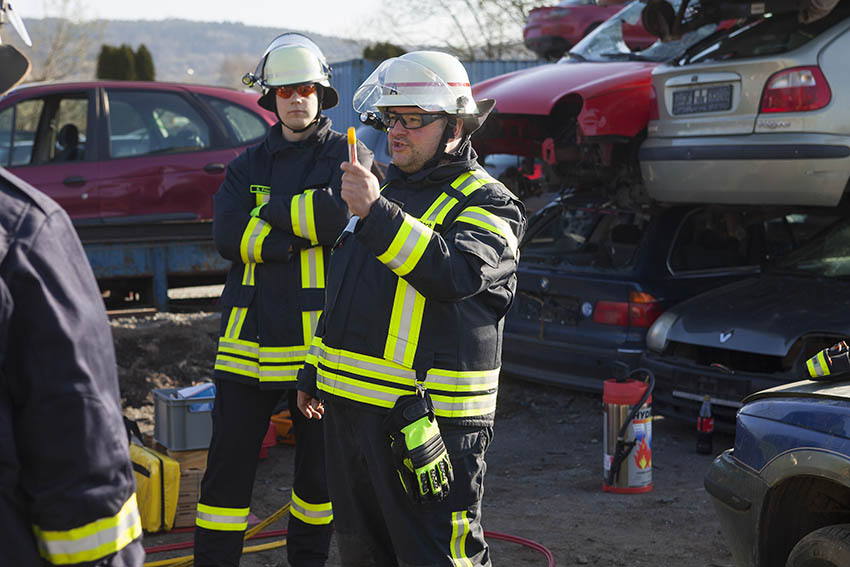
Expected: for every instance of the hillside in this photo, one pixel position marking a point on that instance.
(187, 51)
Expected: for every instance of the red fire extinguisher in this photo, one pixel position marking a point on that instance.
(627, 428)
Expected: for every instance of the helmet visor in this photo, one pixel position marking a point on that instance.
(401, 82)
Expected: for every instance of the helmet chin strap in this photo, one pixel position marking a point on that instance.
(441, 153)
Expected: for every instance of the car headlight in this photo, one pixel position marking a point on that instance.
(656, 337)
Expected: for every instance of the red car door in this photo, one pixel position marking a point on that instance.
(44, 139)
(165, 157)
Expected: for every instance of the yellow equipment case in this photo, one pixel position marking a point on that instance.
(157, 487)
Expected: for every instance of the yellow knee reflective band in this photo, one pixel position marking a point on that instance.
(303, 219)
(488, 221)
(92, 541)
(222, 519)
(314, 514)
(405, 324)
(251, 247)
(460, 529)
(407, 247)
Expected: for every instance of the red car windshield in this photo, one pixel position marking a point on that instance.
(607, 43)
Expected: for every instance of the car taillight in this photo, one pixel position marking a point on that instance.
(796, 90)
(653, 103)
(641, 310)
(644, 309)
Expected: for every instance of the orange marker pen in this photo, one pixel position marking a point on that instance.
(352, 145)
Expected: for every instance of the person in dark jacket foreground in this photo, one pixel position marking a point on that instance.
(405, 363)
(275, 216)
(67, 494)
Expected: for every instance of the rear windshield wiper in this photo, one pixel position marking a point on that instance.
(625, 56)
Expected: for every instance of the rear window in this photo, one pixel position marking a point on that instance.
(767, 36)
(245, 125)
(590, 237)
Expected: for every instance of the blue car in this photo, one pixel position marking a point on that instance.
(782, 493)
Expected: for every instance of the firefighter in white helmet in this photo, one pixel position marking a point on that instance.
(275, 217)
(67, 493)
(405, 364)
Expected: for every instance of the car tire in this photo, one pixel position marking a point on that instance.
(824, 547)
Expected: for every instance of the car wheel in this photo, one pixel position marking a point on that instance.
(825, 547)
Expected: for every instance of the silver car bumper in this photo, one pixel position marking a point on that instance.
(756, 169)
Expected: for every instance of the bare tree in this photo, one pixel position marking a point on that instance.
(233, 67)
(63, 43)
(472, 29)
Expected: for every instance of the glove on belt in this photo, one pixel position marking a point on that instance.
(829, 363)
(418, 451)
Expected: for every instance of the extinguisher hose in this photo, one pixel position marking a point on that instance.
(622, 449)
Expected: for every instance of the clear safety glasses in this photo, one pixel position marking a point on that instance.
(411, 121)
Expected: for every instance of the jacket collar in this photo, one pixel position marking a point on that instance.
(275, 141)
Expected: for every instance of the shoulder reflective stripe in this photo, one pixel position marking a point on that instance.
(460, 529)
(222, 519)
(407, 247)
(248, 274)
(235, 322)
(251, 246)
(468, 182)
(405, 324)
(314, 514)
(239, 366)
(312, 267)
(488, 221)
(93, 541)
(303, 219)
(438, 208)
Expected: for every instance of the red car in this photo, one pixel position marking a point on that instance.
(551, 30)
(585, 115)
(121, 151)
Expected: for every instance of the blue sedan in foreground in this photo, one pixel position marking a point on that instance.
(782, 493)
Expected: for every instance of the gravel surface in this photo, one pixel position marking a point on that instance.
(544, 481)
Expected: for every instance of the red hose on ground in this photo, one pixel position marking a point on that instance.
(273, 533)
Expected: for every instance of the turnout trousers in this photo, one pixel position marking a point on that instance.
(240, 420)
(376, 523)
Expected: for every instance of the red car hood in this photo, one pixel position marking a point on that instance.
(536, 90)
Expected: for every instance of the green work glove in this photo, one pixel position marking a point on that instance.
(420, 456)
(255, 212)
(830, 363)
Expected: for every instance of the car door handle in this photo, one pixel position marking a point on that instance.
(74, 180)
(214, 167)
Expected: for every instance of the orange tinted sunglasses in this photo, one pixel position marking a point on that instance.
(302, 90)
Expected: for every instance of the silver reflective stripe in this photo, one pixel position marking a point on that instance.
(228, 363)
(406, 325)
(375, 369)
(281, 372)
(221, 519)
(486, 380)
(493, 222)
(309, 265)
(334, 384)
(282, 354)
(232, 347)
(416, 239)
(482, 403)
(259, 229)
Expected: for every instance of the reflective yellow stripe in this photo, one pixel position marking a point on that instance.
(313, 267)
(235, 322)
(481, 385)
(314, 514)
(460, 529)
(222, 519)
(251, 247)
(288, 355)
(272, 374)
(249, 368)
(303, 219)
(468, 182)
(488, 221)
(248, 274)
(407, 247)
(818, 365)
(405, 324)
(93, 541)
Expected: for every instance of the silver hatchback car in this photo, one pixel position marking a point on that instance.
(758, 115)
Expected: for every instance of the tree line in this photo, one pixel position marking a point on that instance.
(123, 64)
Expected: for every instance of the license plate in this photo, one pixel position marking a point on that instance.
(702, 99)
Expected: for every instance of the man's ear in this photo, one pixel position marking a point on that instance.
(458, 128)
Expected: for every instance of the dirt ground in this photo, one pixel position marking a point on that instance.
(544, 481)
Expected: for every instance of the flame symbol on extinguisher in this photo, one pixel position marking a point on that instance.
(643, 455)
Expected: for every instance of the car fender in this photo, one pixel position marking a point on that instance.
(807, 461)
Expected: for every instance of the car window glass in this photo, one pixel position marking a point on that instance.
(711, 240)
(594, 238)
(606, 42)
(22, 122)
(246, 125)
(147, 122)
(70, 123)
(826, 255)
(767, 36)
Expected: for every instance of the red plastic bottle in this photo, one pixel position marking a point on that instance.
(705, 428)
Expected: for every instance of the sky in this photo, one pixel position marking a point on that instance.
(340, 18)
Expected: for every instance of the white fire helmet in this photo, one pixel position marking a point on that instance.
(292, 59)
(430, 80)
